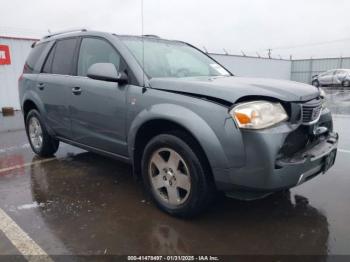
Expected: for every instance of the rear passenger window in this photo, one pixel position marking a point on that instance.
(62, 63)
(34, 57)
(93, 50)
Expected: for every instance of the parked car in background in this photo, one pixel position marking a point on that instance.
(334, 77)
(185, 123)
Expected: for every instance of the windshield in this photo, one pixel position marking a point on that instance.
(164, 58)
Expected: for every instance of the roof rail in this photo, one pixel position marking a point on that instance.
(65, 32)
(153, 36)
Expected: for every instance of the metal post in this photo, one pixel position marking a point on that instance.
(269, 52)
(310, 69)
(341, 62)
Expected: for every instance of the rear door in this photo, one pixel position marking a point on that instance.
(339, 77)
(98, 108)
(54, 84)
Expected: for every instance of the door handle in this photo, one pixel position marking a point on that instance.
(41, 86)
(76, 90)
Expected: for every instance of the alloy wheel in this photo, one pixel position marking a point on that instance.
(35, 133)
(169, 176)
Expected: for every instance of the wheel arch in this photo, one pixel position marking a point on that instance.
(162, 119)
(343, 82)
(32, 101)
(27, 106)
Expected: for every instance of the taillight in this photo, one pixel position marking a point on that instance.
(25, 69)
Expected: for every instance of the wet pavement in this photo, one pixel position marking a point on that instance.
(81, 203)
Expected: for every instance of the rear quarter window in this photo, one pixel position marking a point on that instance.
(34, 57)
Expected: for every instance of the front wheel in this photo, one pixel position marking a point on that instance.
(176, 175)
(40, 140)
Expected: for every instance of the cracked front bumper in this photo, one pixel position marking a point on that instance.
(266, 170)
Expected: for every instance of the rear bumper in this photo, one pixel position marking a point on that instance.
(266, 171)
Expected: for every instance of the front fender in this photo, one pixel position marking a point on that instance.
(189, 120)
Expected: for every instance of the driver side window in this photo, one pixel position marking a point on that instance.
(328, 73)
(94, 50)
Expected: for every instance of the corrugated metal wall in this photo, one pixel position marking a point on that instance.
(255, 67)
(9, 74)
(303, 70)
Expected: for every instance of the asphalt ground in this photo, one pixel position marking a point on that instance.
(80, 203)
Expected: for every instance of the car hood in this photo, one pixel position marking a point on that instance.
(232, 88)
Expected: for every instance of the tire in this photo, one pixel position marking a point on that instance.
(316, 83)
(346, 83)
(190, 199)
(40, 140)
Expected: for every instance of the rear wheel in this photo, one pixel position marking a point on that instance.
(346, 83)
(176, 176)
(40, 140)
(316, 83)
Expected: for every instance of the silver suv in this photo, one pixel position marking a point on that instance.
(185, 123)
(334, 77)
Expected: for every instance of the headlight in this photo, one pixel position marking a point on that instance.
(258, 114)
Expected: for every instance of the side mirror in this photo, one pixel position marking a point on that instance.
(106, 72)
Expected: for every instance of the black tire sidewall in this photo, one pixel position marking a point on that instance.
(49, 145)
(199, 183)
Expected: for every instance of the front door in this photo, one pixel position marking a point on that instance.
(339, 76)
(97, 108)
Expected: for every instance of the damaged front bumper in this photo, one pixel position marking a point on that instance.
(271, 167)
(320, 156)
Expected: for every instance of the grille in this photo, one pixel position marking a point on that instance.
(311, 111)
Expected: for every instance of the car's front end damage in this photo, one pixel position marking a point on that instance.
(277, 134)
(286, 154)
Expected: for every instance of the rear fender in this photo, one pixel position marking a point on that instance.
(30, 95)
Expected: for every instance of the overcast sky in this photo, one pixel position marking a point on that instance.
(301, 28)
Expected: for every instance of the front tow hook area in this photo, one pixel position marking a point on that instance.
(311, 153)
(328, 162)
